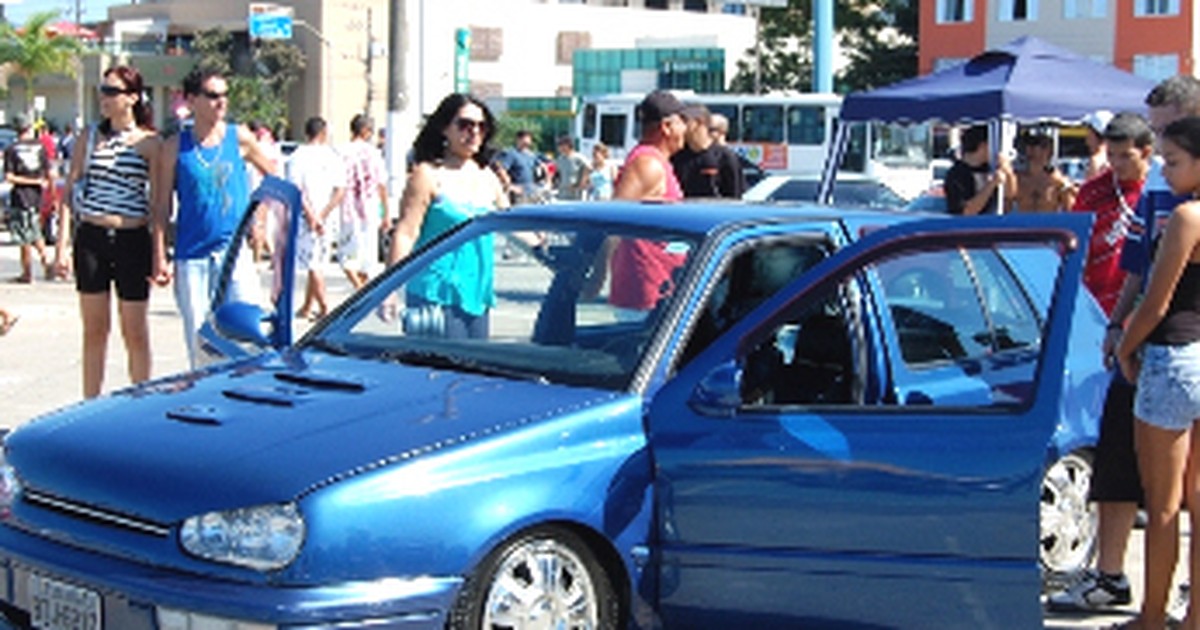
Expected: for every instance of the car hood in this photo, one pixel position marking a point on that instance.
(266, 431)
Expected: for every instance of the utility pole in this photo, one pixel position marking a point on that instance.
(79, 78)
(397, 100)
(370, 64)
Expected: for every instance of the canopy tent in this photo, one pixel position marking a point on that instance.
(71, 29)
(1025, 81)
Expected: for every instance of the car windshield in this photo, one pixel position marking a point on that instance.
(853, 193)
(519, 301)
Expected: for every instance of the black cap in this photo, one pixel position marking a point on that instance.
(20, 122)
(658, 105)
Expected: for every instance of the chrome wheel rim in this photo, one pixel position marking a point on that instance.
(1068, 520)
(541, 585)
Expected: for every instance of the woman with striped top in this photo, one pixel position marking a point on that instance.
(115, 164)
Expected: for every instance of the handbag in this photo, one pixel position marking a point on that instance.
(79, 188)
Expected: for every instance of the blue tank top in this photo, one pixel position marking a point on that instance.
(213, 193)
(462, 278)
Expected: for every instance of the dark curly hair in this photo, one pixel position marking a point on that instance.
(430, 145)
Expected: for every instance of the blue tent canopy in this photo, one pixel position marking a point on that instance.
(1028, 80)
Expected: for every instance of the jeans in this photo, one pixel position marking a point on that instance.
(196, 286)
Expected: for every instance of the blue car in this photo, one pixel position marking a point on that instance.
(593, 416)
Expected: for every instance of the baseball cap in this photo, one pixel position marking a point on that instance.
(1098, 120)
(658, 105)
(20, 122)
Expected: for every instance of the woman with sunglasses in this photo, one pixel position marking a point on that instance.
(451, 183)
(110, 186)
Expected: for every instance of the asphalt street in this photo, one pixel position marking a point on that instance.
(40, 371)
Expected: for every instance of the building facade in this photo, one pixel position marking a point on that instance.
(516, 48)
(1151, 38)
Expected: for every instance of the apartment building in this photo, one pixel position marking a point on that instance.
(517, 48)
(1151, 38)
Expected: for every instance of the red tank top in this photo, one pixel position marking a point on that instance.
(642, 270)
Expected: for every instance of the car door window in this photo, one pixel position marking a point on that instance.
(935, 308)
(1014, 323)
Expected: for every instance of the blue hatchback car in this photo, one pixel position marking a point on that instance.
(594, 416)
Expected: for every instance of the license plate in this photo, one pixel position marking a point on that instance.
(55, 605)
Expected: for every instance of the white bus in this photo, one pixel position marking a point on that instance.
(780, 133)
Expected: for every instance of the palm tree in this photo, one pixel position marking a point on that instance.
(32, 50)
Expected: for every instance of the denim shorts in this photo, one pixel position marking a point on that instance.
(1168, 389)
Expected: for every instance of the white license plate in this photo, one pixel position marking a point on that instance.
(55, 605)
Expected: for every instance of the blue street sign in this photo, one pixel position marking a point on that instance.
(270, 26)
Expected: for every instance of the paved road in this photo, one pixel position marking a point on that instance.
(40, 368)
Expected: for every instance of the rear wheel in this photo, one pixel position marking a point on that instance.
(542, 579)
(1068, 520)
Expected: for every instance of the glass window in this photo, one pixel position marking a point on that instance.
(613, 129)
(934, 308)
(589, 121)
(1017, 10)
(1142, 8)
(806, 125)
(656, 4)
(1013, 322)
(1156, 67)
(1080, 9)
(949, 11)
(762, 123)
(695, 5)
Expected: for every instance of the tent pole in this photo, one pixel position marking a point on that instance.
(833, 158)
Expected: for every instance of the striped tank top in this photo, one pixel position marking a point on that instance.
(118, 180)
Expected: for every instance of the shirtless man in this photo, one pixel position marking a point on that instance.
(1040, 186)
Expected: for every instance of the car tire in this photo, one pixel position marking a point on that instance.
(1068, 521)
(560, 578)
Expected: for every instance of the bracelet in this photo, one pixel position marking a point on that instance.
(1113, 326)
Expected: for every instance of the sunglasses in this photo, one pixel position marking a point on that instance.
(212, 96)
(466, 124)
(113, 90)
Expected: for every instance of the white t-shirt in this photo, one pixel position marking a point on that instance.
(316, 169)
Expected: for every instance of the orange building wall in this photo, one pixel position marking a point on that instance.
(1154, 36)
(962, 39)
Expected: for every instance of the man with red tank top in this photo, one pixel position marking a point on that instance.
(641, 270)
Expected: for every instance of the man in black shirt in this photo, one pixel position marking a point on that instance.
(971, 187)
(706, 168)
(27, 168)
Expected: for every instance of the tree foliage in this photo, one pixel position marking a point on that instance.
(879, 37)
(260, 74)
(32, 50)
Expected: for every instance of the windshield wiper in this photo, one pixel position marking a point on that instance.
(332, 347)
(449, 362)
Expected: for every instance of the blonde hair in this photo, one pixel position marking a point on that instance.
(601, 148)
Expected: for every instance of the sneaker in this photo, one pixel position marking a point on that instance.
(1094, 591)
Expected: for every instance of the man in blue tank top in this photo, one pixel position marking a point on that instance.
(205, 167)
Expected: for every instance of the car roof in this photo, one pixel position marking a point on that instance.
(701, 216)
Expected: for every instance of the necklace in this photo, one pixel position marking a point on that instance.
(198, 149)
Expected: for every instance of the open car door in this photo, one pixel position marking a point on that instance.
(251, 311)
(787, 497)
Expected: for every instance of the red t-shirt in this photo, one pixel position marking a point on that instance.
(1102, 272)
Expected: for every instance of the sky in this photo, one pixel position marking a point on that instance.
(17, 11)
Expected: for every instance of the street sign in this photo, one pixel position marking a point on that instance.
(269, 21)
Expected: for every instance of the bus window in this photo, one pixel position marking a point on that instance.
(806, 125)
(855, 158)
(589, 121)
(762, 123)
(730, 114)
(613, 130)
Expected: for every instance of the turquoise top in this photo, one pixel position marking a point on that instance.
(213, 194)
(462, 278)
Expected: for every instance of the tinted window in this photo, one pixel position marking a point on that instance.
(934, 307)
(806, 125)
(589, 121)
(762, 123)
(1014, 323)
(612, 129)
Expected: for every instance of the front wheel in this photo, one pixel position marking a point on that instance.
(1068, 520)
(544, 578)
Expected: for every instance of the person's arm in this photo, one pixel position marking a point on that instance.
(979, 202)
(74, 174)
(254, 153)
(1067, 191)
(1176, 249)
(1126, 299)
(161, 209)
(414, 203)
(643, 179)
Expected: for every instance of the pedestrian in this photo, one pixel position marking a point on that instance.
(319, 173)
(640, 269)
(27, 169)
(1115, 485)
(1095, 125)
(1160, 351)
(112, 183)
(523, 166)
(365, 204)
(706, 168)
(204, 165)
(971, 186)
(602, 175)
(570, 171)
(451, 183)
(1040, 186)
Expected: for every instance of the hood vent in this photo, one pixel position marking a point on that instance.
(323, 380)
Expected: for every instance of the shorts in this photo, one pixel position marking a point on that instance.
(105, 256)
(25, 225)
(312, 250)
(1115, 476)
(1168, 395)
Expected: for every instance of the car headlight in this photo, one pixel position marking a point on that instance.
(264, 538)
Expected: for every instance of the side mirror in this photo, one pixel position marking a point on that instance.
(243, 322)
(719, 393)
